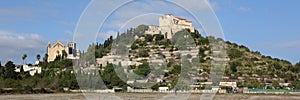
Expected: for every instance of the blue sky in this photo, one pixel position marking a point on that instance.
(268, 26)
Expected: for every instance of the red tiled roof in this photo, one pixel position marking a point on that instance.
(180, 18)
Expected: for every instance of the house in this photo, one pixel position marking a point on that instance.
(31, 69)
(284, 84)
(116, 60)
(215, 88)
(142, 90)
(228, 84)
(163, 89)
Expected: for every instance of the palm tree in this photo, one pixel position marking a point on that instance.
(38, 57)
(24, 57)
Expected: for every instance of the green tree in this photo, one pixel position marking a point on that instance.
(22, 73)
(203, 41)
(189, 56)
(195, 35)
(176, 69)
(143, 53)
(21, 69)
(234, 65)
(110, 78)
(24, 58)
(108, 42)
(276, 84)
(155, 87)
(295, 84)
(234, 53)
(1, 72)
(45, 59)
(38, 57)
(143, 69)
(140, 30)
(158, 37)
(134, 46)
(296, 68)
(9, 71)
(148, 38)
(64, 54)
(276, 65)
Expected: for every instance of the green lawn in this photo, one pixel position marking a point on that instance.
(269, 90)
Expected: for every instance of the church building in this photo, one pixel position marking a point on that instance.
(58, 49)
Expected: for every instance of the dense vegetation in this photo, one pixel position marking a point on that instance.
(51, 77)
(245, 66)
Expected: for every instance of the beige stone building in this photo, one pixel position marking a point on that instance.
(58, 48)
(169, 25)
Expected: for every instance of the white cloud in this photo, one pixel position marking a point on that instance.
(243, 9)
(13, 45)
(68, 32)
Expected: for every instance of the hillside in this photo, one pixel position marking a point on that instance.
(248, 68)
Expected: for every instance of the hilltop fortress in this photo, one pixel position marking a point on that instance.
(169, 25)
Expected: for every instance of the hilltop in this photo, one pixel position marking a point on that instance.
(247, 68)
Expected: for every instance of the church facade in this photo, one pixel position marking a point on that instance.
(58, 49)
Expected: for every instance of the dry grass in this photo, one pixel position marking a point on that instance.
(141, 96)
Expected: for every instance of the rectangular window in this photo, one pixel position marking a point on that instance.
(70, 50)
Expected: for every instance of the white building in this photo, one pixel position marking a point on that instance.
(116, 60)
(32, 70)
(163, 89)
(228, 84)
(169, 25)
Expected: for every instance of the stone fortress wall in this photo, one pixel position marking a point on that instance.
(169, 25)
